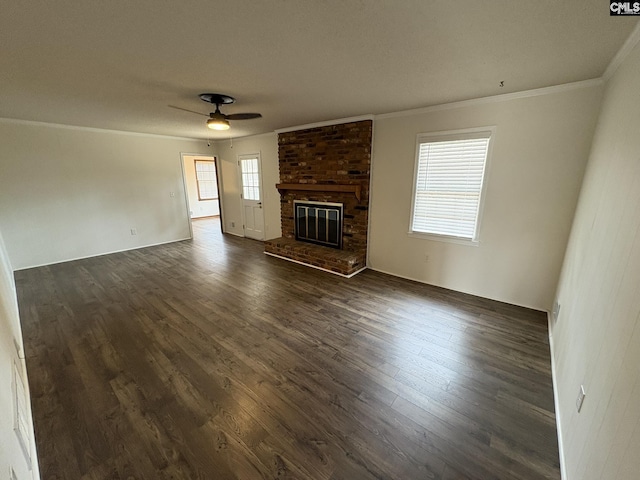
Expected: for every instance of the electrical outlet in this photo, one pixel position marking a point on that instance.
(426, 258)
(172, 194)
(134, 231)
(580, 398)
(556, 310)
(233, 224)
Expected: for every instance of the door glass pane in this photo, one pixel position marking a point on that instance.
(250, 175)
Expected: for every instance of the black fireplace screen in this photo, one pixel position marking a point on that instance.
(318, 222)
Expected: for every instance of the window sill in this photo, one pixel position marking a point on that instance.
(444, 238)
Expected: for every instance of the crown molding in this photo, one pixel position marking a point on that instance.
(495, 98)
(326, 124)
(33, 123)
(623, 53)
(220, 141)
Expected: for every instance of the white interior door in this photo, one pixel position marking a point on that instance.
(251, 179)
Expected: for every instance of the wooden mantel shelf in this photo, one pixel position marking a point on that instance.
(315, 187)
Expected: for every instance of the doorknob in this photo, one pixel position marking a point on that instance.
(259, 203)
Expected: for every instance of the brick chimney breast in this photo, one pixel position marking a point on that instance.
(330, 155)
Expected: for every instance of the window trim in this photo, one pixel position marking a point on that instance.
(215, 170)
(452, 135)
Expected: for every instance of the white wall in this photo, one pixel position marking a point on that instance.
(227, 152)
(11, 454)
(198, 208)
(67, 193)
(596, 338)
(538, 159)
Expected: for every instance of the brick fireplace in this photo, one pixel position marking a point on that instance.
(326, 164)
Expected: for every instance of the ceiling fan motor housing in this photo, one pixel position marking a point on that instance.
(216, 98)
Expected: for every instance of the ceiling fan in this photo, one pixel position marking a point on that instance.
(218, 120)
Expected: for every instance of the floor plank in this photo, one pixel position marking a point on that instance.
(207, 359)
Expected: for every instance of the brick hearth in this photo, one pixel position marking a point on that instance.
(339, 261)
(333, 156)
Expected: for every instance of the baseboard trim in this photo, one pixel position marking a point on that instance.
(556, 405)
(317, 268)
(102, 254)
(424, 282)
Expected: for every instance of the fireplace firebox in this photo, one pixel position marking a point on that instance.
(318, 222)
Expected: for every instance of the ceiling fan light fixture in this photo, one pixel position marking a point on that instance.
(218, 124)
(218, 120)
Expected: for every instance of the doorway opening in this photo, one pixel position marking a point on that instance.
(202, 180)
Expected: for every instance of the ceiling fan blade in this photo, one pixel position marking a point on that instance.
(243, 116)
(186, 110)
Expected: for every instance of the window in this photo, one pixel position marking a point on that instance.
(448, 182)
(250, 172)
(206, 179)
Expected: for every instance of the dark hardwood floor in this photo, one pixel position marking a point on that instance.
(207, 359)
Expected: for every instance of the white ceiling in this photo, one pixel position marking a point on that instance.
(119, 64)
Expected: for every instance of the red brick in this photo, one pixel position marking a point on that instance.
(335, 154)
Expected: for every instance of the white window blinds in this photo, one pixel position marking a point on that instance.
(206, 179)
(448, 184)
